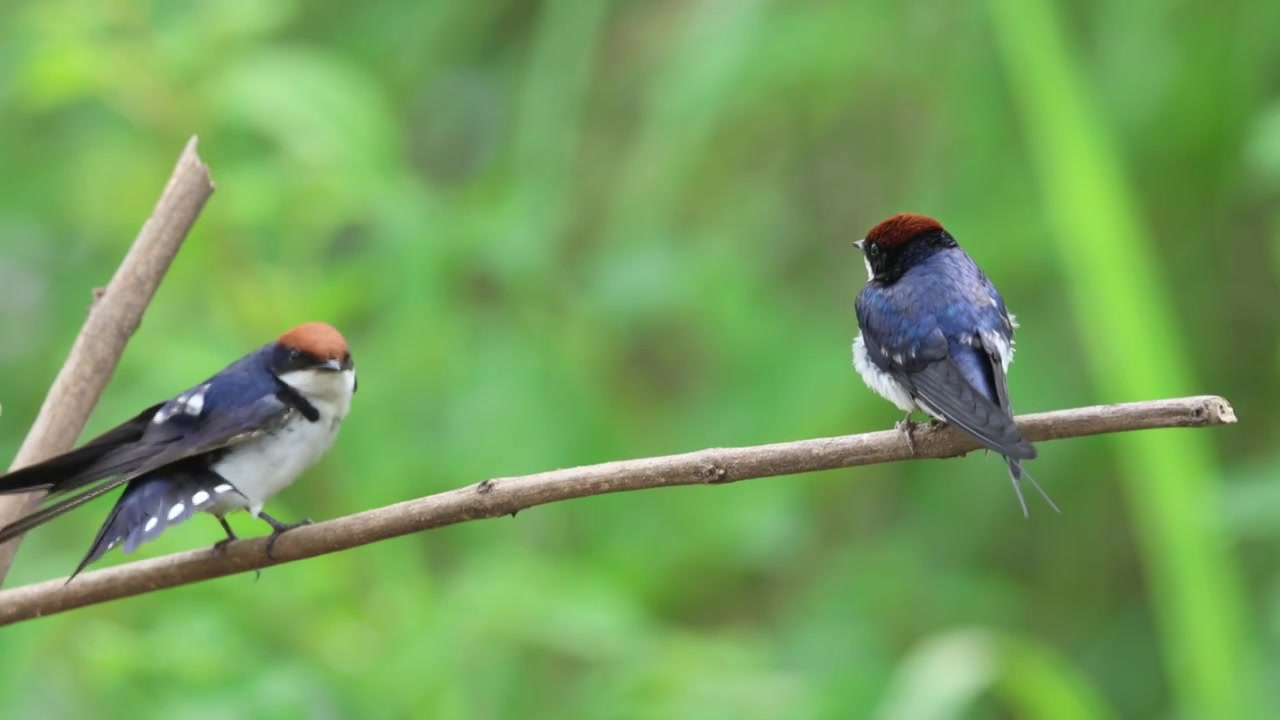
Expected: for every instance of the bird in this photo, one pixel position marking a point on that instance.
(229, 443)
(935, 336)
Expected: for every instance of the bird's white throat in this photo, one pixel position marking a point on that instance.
(264, 466)
(329, 391)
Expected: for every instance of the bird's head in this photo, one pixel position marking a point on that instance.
(313, 359)
(893, 246)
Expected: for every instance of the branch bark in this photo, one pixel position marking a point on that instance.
(505, 496)
(113, 318)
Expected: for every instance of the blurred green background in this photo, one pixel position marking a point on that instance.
(566, 232)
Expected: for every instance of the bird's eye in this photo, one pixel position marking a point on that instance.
(873, 251)
(294, 354)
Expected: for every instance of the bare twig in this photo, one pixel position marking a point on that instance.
(113, 317)
(504, 496)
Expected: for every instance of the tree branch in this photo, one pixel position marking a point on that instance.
(505, 496)
(113, 318)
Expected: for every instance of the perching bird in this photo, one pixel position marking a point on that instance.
(229, 443)
(936, 337)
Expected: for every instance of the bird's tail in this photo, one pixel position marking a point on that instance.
(150, 505)
(1016, 473)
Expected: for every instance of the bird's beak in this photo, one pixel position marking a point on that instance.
(332, 366)
(858, 243)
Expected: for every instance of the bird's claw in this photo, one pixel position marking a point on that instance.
(221, 545)
(907, 426)
(277, 529)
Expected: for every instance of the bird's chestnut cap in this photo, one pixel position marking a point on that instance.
(317, 339)
(900, 228)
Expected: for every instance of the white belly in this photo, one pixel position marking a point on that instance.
(879, 380)
(262, 467)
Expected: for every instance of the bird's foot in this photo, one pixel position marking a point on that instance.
(907, 426)
(279, 528)
(222, 544)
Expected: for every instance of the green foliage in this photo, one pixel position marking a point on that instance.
(1120, 303)
(560, 233)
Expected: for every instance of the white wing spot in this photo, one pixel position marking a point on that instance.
(222, 488)
(195, 403)
(151, 525)
(199, 497)
(176, 510)
(192, 404)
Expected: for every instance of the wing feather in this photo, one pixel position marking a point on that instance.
(160, 445)
(80, 466)
(943, 388)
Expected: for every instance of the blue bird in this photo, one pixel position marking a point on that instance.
(935, 336)
(230, 443)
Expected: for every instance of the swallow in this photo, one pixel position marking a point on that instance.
(935, 336)
(229, 443)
